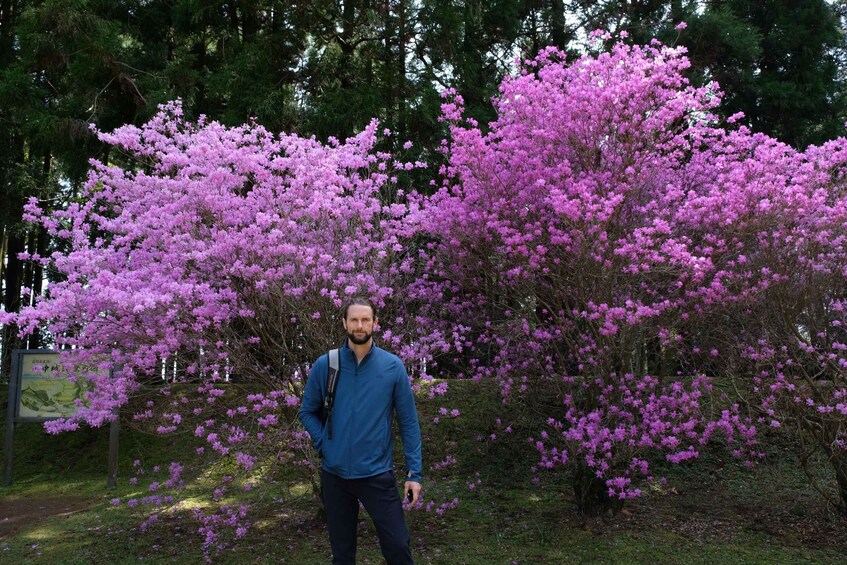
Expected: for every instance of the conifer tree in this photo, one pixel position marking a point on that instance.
(776, 61)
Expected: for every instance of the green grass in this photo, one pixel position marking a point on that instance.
(713, 511)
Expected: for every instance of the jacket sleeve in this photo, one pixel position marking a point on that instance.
(312, 403)
(410, 431)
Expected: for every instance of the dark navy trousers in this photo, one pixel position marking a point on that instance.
(381, 500)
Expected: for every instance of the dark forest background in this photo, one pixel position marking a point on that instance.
(326, 68)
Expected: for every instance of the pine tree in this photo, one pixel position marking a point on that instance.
(776, 62)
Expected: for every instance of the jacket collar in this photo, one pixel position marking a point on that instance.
(346, 345)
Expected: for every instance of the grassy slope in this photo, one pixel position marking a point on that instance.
(712, 512)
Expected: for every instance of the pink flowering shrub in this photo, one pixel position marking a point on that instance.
(220, 256)
(606, 233)
(227, 249)
(780, 262)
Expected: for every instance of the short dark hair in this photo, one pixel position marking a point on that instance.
(358, 301)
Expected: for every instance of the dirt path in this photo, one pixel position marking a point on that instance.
(19, 513)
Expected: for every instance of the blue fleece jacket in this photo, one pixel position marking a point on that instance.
(367, 396)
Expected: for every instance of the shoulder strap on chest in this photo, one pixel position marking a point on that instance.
(333, 372)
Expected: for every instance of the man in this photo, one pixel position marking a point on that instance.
(357, 449)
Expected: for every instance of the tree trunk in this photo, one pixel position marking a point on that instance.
(348, 26)
(389, 90)
(558, 33)
(591, 493)
(249, 21)
(232, 10)
(12, 300)
(677, 14)
(8, 12)
(401, 93)
(472, 79)
(839, 464)
(4, 240)
(40, 240)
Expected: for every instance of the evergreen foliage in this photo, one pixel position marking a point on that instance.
(777, 63)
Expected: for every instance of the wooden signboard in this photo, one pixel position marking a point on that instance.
(39, 392)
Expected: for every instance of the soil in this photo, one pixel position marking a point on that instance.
(26, 512)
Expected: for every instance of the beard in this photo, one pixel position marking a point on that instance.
(361, 339)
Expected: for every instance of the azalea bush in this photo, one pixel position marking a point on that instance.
(781, 268)
(220, 257)
(561, 219)
(606, 232)
(770, 222)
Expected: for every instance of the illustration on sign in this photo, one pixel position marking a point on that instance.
(45, 395)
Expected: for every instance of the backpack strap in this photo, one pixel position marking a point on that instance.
(333, 372)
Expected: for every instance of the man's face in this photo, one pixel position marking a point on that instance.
(359, 324)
